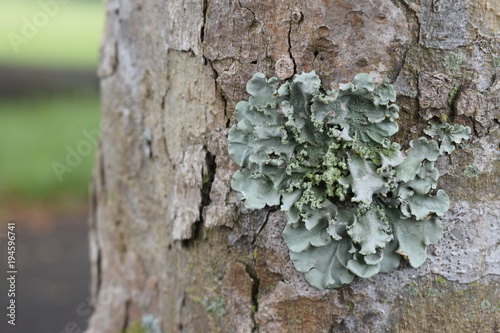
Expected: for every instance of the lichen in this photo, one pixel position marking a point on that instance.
(453, 61)
(412, 290)
(134, 327)
(440, 280)
(453, 93)
(496, 61)
(472, 171)
(448, 135)
(150, 324)
(217, 306)
(147, 324)
(485, 305)
(355, 202)
(433, 292)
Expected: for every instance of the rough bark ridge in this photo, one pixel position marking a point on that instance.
(169, 239)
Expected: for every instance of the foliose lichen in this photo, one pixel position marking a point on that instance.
(355, 202)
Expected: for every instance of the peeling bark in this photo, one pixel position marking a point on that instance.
(169, 238)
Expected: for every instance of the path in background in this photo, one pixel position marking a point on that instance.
(53, 272)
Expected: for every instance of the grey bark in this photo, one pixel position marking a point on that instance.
(168, 238)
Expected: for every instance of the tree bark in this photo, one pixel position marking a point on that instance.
(168, 237)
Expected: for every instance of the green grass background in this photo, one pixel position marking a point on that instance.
(34, 133)
(69, 39)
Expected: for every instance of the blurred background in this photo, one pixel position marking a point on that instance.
(49, 123)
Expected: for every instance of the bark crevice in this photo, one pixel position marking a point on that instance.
(251, 271)
(263, 225)
(410, 12)
(208, 175)
(249, 9)
(204, 10)
(289, 36)
(97, 189)
(163, 131)
(126, 319)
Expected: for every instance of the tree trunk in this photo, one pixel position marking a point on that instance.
(172, 247)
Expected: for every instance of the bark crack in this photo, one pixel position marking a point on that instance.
(127, 316)
(402, 65)
(204, 10)
(163, 101)
(290, 23)
(410, 11)
(208, 176)
(263, 225)
(412, 19)
(251, 11)
(99, 272)
(208, 62)
(99, 180)
(219, 91)
(251, 271)
(452, 98)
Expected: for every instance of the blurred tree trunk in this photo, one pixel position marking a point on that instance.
(171, 246)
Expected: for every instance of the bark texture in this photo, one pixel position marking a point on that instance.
(168, 238)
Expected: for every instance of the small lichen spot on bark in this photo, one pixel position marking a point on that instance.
(453, 61)
(472, 171)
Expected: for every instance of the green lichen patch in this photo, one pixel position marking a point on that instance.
(453, 61)
(147, 324)
(472, 170)
(216, 306)
(485, 305)
(452, 95)
(150, 324)
(134, 327)
(470, 317)
(433, 292)
(496, 61)
(355, 202)
(441, 280)
(412, 290)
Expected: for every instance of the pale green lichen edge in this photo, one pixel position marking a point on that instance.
(355, 202)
